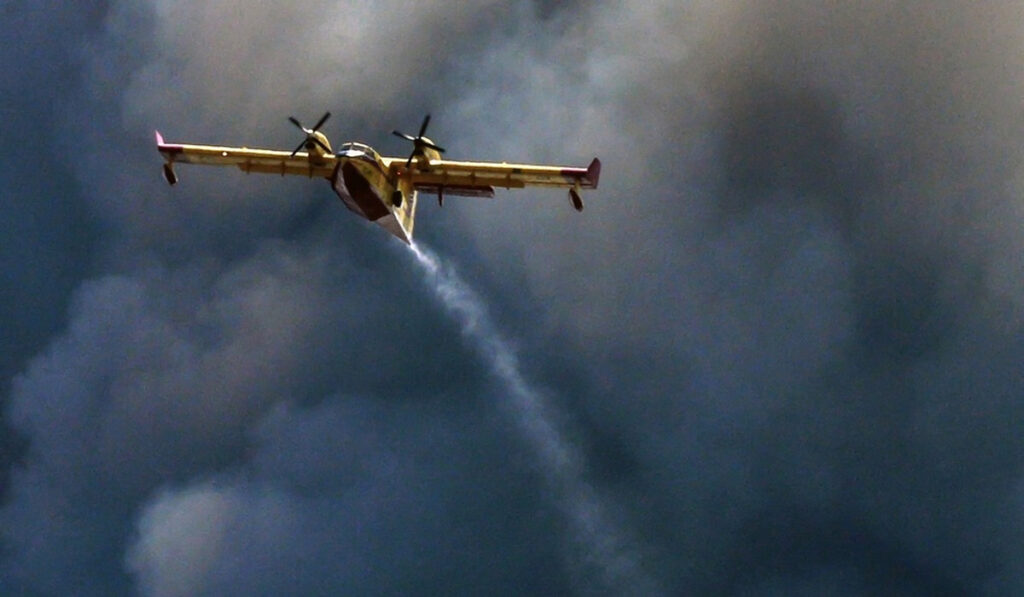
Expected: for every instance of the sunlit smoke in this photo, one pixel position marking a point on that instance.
(602, 545)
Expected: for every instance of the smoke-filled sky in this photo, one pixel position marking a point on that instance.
(782, 346)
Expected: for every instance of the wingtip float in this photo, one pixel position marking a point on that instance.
(384, 189)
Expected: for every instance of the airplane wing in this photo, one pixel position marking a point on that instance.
(248, 160)
(478, 179)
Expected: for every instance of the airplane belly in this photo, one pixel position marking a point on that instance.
(356, 192)
(362, 188)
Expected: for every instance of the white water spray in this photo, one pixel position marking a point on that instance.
(604, 546)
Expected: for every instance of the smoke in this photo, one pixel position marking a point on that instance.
(787, 326)
(606, 548)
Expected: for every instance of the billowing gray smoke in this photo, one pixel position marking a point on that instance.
(787, 330)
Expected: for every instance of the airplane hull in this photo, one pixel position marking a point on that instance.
(366, 191)
(356, 192)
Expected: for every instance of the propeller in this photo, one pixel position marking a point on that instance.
(310, 137)
(419, 141)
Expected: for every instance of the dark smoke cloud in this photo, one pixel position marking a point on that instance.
(46, 238)
(786, 330)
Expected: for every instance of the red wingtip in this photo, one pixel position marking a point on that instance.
(594, 171)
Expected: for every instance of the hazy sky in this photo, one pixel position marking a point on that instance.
(780, 352)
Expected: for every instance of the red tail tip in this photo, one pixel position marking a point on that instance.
(594, 171)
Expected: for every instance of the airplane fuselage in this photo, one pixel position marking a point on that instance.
(364, 185)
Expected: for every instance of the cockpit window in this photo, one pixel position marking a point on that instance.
(359, 148)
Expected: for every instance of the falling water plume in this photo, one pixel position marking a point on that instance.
(604, 546)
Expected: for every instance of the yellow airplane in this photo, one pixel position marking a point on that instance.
(384, 189)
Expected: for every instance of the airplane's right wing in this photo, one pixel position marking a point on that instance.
(478, 179)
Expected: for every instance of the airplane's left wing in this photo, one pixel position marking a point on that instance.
(478, 179)
(248, 160)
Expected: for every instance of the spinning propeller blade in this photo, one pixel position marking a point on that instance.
(419, 141)
(322, 120)
(310, 138)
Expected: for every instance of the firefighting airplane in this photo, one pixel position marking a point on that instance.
(384, 189)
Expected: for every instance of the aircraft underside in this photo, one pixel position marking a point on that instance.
(371, 201)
